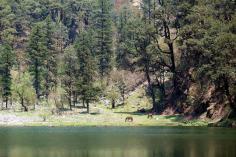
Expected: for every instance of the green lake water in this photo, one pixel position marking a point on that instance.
(117, 142)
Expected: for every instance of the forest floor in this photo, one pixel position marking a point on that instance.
(100, 115)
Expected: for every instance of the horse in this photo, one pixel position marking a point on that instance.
(129, 119)
(150, 115)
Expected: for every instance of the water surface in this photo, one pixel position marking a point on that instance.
(117, 142)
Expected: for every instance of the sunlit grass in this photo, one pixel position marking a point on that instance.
(102, 115)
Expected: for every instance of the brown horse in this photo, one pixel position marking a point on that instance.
(129, 119)
(150, 115)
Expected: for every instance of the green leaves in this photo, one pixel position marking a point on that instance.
(6, 64)
(22, 88)
(209, 40)
(104, 33)
(87, 68)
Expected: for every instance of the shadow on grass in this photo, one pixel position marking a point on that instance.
(138, 112)
(91, 113)
(132, 113)
(64, 109)
(120, 105)
(79, 107)
(84, 112)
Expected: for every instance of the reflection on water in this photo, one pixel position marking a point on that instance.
(117, 142)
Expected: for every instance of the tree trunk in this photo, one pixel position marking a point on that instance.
(74, 98)
(11, 103)
(87, 102)
(113, 103)
(171, 51)
(6, 102)
(70, 100)
(151, 89)
(47, 91)
(36, 81)
(173, 66)
(47, 83)
(83, 101)
(70, 103)
(23, 105)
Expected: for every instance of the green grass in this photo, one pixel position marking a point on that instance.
(108, 117)
(194, 123)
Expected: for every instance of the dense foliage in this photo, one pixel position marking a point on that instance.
(71, 50)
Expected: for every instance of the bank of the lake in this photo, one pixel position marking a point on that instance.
(33, 118)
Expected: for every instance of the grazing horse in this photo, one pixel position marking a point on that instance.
(150, 115)
(129, 119)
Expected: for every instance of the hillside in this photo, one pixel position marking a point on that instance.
(59, 56)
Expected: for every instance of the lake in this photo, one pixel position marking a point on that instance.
(117, 142)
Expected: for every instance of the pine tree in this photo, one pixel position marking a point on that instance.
(51, 57)
(6, 64)
(70, 73)
(122, 55)
(87, 69)
(37, 49)
(104, 36)
(7, 18)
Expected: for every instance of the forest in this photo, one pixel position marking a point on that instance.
(67, 54)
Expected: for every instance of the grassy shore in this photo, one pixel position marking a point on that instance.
(8, 118)
(100, 115)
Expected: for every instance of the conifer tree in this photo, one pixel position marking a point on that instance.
(6, 63)
(104, 36)
(37, 49)
(70, 73)
(51, 57)
(87, 69)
